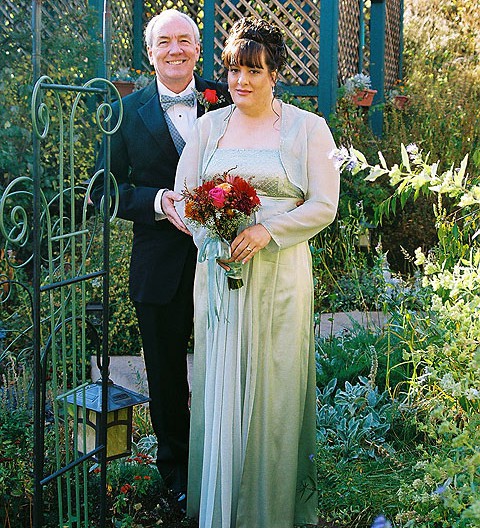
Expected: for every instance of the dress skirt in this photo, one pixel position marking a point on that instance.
(252, 439)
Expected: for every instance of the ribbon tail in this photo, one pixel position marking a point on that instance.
(210, 251)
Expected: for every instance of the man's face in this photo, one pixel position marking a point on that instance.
(174, 52)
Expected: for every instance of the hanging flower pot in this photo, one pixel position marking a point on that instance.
(401, 101)
(363, 97)
(124, 87)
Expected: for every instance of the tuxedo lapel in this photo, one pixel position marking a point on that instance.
(200, 86)
(153, 117)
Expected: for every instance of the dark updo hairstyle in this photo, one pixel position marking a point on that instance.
(250, 40)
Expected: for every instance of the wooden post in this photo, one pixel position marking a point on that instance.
(138, 35)
(96, 33)
(361, 35)
(208, 39)
(328, 57)
(377, 60)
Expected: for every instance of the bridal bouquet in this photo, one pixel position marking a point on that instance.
(222, 205)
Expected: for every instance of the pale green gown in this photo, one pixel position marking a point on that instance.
(252, 440)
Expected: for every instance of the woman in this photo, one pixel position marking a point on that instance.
(252, 439)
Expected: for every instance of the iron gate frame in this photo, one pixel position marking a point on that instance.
(41, 349)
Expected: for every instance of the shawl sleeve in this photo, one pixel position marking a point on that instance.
(322, 185)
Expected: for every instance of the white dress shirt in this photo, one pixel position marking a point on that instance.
(183, 117)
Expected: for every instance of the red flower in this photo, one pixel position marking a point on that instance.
(244, 190)
(125, 488)
(208, 98)
(211, 96)
(137, 477)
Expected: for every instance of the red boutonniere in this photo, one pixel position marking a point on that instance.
(208, 98)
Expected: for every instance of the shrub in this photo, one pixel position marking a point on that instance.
(123, 328)
(16, 446)
(124, 332)
(61, 49)
(445, 379)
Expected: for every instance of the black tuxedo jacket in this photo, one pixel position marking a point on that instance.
(143, 160)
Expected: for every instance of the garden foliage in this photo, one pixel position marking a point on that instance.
(445, 380)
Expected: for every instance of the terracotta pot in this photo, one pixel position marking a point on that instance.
(401, 101)
(124, 87)
(363, 97)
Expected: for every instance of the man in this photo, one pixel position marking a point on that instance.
(144, 159)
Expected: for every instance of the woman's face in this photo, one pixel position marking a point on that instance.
(251, 87)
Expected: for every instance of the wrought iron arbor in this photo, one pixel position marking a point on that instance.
(65, 248)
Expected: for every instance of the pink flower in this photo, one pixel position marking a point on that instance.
(218, 195)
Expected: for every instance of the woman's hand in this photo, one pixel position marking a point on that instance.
(247, 244)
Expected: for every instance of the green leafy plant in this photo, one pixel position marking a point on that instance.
(124, 332)
(348, 273)
(445, 380)
(67, 39)
(353, 421)
(16, 444)
(348, 356)
(123, 327)
(130, 482)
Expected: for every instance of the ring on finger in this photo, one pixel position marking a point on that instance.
(248, 248)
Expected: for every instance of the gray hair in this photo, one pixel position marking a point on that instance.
(169, 13)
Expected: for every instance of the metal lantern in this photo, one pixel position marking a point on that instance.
(94, 311)
(120, 403)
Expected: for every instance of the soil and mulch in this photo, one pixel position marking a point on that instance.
(161, 511)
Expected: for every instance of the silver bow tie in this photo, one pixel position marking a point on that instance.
(166, 101)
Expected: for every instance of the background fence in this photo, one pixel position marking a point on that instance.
(328, 40)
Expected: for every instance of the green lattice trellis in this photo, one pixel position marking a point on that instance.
(300, 21)
(349, 38)
(305, 74)
(393, 41)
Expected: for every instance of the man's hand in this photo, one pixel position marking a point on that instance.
(168, 207)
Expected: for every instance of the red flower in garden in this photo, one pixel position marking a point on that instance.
(125, 488)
